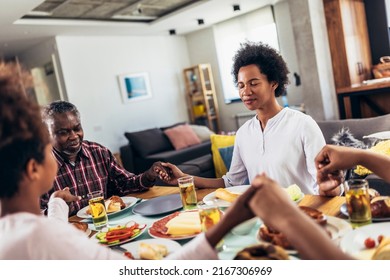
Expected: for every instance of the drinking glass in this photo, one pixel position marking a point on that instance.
(358, 202)
(209, 215)
(187, 192)
(98, 209)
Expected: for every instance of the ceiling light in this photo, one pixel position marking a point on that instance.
(236, 7)
(172, 32)
(200, 21)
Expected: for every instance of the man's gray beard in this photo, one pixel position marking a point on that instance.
(72, 154)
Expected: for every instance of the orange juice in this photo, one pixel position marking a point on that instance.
(209, 216)
(98, 209)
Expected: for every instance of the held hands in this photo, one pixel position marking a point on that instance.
(240, 211)
(330, 163)
(173, 173)
(66, 195)
(157, 171)
(270, 202)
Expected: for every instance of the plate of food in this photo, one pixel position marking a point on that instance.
(161, 205)
(152, 249)
(119, 234)
(335, 227)
(363, 242)
(262, 251)
(114, 205)
(223, 197)
(82, 226)
(380, 209)
(177, 226)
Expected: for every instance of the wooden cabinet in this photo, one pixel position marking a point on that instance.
(348, 41)
(201, 96)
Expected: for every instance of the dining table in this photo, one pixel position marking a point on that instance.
(330, 206)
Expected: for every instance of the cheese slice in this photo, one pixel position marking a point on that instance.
(185, 223)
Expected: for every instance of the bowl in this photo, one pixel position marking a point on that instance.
(245, 227)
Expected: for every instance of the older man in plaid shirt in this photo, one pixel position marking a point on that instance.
(85, 166)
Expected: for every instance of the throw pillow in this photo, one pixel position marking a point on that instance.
(149, 141)
(382, 147)
(226, 154)
(217, 142)
(202, 131)
(182, 136)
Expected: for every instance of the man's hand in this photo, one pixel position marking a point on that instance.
(66, 195)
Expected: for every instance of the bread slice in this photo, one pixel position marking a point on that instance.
(152, 251)
(226, 195)
(383, 250)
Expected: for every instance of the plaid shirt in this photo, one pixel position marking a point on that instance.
(94, 169)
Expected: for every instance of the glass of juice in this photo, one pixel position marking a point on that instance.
(358, 202)
(98, 209)
(187, 192)
(209, 215)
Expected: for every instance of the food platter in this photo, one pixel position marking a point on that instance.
(128, 200)
(344, 211)
(335, 226)
(158, 227)
(141, 227)
(159, 206)
(353, 242)
(212, 199)
(133, 247)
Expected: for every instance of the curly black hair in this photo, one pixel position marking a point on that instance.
(22, 134)
(267, 59)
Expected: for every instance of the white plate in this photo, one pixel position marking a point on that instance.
(132, 247)
(353, 242)
(121, 242)
(336, 226)
(128, 200)
(211, 198)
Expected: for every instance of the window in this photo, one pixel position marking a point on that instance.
(257, 26)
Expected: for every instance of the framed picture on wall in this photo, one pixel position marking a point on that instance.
(134, 87)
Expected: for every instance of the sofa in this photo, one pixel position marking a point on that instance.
(158, 144)
(360, 129)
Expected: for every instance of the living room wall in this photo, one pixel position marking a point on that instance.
(90, 68)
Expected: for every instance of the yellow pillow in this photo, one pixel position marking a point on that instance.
(220, 141)
(382, 147)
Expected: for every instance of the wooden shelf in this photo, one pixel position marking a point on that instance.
(201, 96)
